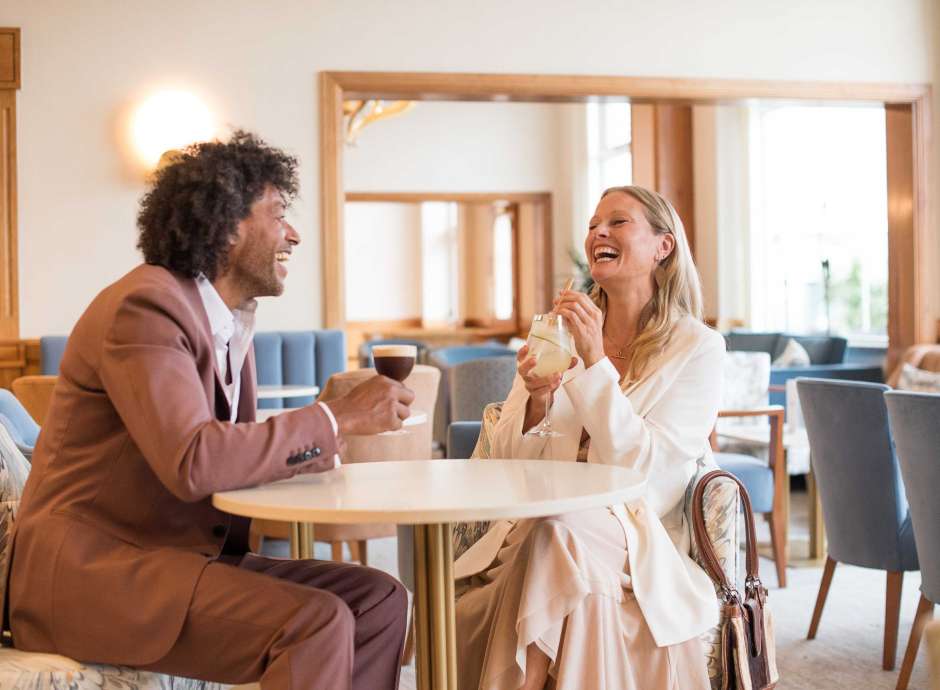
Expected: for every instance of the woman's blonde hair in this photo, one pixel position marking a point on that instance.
(677, 291)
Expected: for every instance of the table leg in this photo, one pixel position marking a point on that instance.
(435, 632)
(301, 540)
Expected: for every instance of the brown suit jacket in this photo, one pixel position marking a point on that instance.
(116, 523)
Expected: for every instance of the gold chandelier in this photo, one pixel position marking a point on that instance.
(361, 113)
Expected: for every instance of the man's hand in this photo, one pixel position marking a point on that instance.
(378, 404)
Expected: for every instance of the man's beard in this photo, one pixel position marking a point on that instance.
(260, 280)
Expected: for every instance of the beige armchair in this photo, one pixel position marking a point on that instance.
(415, 444)
(35, 394)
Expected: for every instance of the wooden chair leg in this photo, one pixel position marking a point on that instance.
(821, 597)
(408, 654)
(778, 543)
(893, 588)
(363, 551)
(336, 550)
(924, 614)
(255, 542)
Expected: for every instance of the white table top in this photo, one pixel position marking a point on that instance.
(265, 392)
(435, 491)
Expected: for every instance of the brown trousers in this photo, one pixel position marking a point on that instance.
(293, 625)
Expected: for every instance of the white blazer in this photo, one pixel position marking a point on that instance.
(659, 426)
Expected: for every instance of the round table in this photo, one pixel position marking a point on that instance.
(431, 494)
(287, 391)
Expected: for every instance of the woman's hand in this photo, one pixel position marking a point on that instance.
(585, 321)
(541, 389)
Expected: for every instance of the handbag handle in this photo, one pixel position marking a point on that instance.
(712, 566)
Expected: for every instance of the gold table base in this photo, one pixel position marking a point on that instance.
(435, 633)
(301, 540)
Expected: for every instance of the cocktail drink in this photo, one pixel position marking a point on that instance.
(550, 344)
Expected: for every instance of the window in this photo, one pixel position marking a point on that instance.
(819, 222)
(503, 289)
(610, 162)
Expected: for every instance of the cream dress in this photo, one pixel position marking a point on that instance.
(564, 583)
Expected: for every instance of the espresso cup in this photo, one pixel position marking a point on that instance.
(394, 361)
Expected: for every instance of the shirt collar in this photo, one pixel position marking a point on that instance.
(221, 318)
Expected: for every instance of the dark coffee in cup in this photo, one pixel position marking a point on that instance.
(394, 361)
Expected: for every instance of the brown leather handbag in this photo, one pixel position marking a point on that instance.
(748, 651)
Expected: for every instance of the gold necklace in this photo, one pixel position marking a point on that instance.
(619, 354)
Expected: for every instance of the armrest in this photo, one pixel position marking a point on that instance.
(776, 459)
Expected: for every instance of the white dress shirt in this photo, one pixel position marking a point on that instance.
(232, 333)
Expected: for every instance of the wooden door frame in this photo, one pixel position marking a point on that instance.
(907, 132)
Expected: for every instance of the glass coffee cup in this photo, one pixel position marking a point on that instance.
(394, 361)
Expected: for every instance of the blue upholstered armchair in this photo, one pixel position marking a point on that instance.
(282, 357)
(863, 501)
(914, 426)
(444, 358)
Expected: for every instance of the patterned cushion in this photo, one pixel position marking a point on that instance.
(793, 355)
(745, 384)
(721, 505)
(918, 380)
(50, 671)
(466, 534)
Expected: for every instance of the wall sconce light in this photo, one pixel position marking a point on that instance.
(169, 120)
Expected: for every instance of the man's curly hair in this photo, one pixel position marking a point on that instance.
(187, 218)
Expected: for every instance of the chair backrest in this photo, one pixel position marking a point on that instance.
(445, 358)
(51, 349)
(299, 358)
(822, 349)
(423, 381)
(477, 383)
(857, 474)
(914, 424)
(365, 350)
(35, 393)
(20, 425)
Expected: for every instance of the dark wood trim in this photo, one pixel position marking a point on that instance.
(10, 58)
(908, 183)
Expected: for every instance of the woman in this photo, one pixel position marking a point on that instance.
(606, 598)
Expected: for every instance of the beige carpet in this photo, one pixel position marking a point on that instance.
(847, 651)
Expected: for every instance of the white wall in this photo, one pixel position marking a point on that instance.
(473, 147)
(383, 261)
(256, 65)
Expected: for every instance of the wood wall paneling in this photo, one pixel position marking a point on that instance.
(9, 279)
(9, 58)
(661, 142)
(332, 197)
(903, 273)
(18, 358)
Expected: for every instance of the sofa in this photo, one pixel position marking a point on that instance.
(281, 357)
(827, 356)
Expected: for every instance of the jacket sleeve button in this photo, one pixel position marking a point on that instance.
(316, 452)
(308, 455)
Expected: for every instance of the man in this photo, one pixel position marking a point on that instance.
(119, 556)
